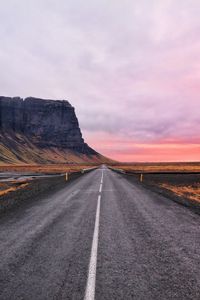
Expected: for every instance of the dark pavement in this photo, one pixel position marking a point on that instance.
(148, 245)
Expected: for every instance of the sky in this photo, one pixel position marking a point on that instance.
(130, 68)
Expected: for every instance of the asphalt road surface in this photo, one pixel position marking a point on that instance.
(101, 237)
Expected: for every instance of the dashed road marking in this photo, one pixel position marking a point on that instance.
(100, 189)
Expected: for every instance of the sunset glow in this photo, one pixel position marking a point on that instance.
(133, 77)
(160, 151)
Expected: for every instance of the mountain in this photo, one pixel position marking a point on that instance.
(35, 130)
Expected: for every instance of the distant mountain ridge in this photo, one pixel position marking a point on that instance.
(35, 130)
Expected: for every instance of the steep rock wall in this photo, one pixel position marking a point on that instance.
(47, 123)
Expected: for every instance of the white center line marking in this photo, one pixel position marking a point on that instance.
(91, 281)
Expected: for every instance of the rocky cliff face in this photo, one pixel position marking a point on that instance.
(46, 123)
(36, 131)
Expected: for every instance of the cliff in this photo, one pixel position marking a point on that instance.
(38, 131)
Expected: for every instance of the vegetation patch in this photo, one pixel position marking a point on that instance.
(159, 167)
(13, 186)
(188, 191)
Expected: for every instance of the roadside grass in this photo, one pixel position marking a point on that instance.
(6, 188)
(14, 185)
(47, 169)
(159, 167)
(188, 191)
(182, 179)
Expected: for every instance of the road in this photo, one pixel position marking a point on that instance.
(101, 237)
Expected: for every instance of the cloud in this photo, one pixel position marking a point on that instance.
(130, 68)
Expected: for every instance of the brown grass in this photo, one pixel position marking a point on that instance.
(6, 188)
(51, 168)
(191, 192)
(160, 167)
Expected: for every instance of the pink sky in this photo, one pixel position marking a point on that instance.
(160, 150)
(130, 68)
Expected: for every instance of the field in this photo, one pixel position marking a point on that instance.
(15, 178)
(13, 193)
(47, 169)
(182, 185)
(159, 167)
(181, 179)
(25, 183)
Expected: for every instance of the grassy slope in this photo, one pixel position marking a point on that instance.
(20, 150)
